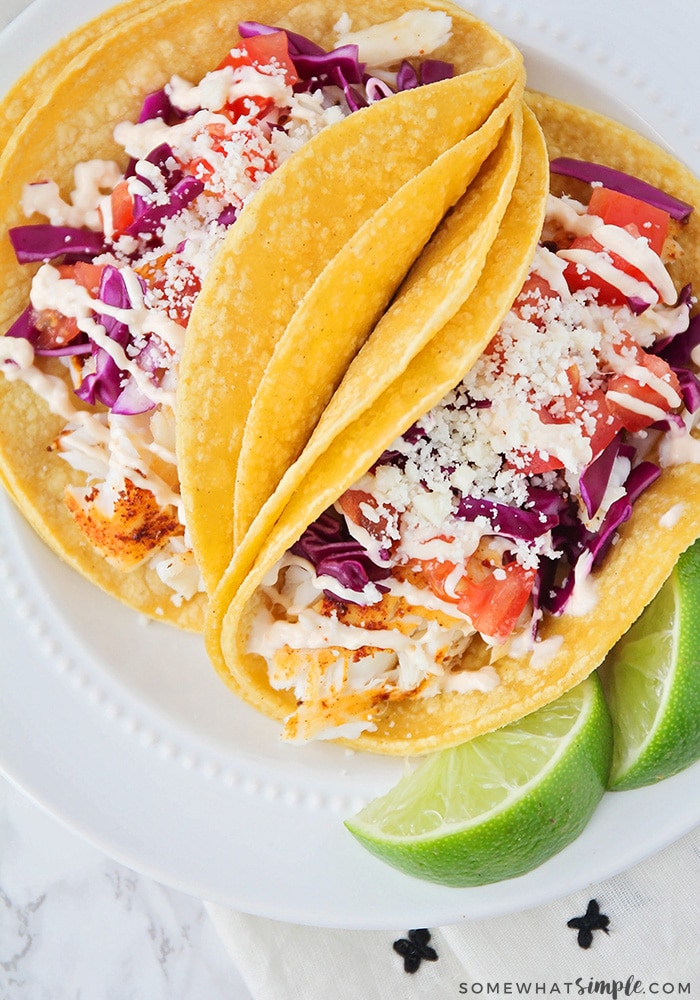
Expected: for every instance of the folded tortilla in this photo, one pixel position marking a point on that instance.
(103, 83)
(664, 521)
(254, 385)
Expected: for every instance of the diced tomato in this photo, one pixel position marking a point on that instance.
(605, 423)
(200, 168)
(263, 51)
(566, 406)
(218, 133)
(84, 274)
(590, 243)
(351, 503)
(435, 572)
(493, 596)
(178, 289)
(122, 206)
(596, 418)
(639, 219)
(578, 277)
(587, 408)
(55, 329)
(642, 394)
(535, 294)
(618, 209)
(534, 463)
(252, 108)
(259, 155)
(495, 601)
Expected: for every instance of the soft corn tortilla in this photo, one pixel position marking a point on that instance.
(348, 299)
(37, 83)
(441, 280)
(636, 566)
(338, 244)
(443, 276)
(105, 83)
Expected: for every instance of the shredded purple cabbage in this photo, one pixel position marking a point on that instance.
(298, 44)
(406, 78)
(150, 220)
(104, 384)
(228, 216)
(671, 422)
(678, 351)
(578, 543)
(107, 384)
(637, 304)
(435, 70)
(513, 522)
(594, 479)
(690, 389)
(641, 477)
(155, 105)
(332, 551)
(23, 326)
(344, 58)
(131, 400)
(43, 242)
(354, 98)
(617, 180)
(341, 67)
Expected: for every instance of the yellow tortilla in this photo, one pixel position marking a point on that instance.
(104, 82)
(303, 219)
(37, 83)
(442, 278)
(634, 569)
(348, 299)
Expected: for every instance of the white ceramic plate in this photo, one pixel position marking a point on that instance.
(119, 727)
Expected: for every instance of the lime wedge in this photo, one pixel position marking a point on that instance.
(652, 683)
(503, 803)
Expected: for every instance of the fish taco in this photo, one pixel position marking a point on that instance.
(147, 159)
(475, 542)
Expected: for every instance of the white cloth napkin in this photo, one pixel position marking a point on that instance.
(651, 949)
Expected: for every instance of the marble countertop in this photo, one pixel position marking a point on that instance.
(74, 923)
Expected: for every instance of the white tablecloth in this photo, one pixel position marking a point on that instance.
(651, 948)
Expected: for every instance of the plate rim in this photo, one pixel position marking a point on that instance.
(41, 633)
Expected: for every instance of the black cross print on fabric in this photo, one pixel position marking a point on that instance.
(592, 920)
(415, 948)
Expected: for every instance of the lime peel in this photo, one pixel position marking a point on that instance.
(500, 805)
(652, 683)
